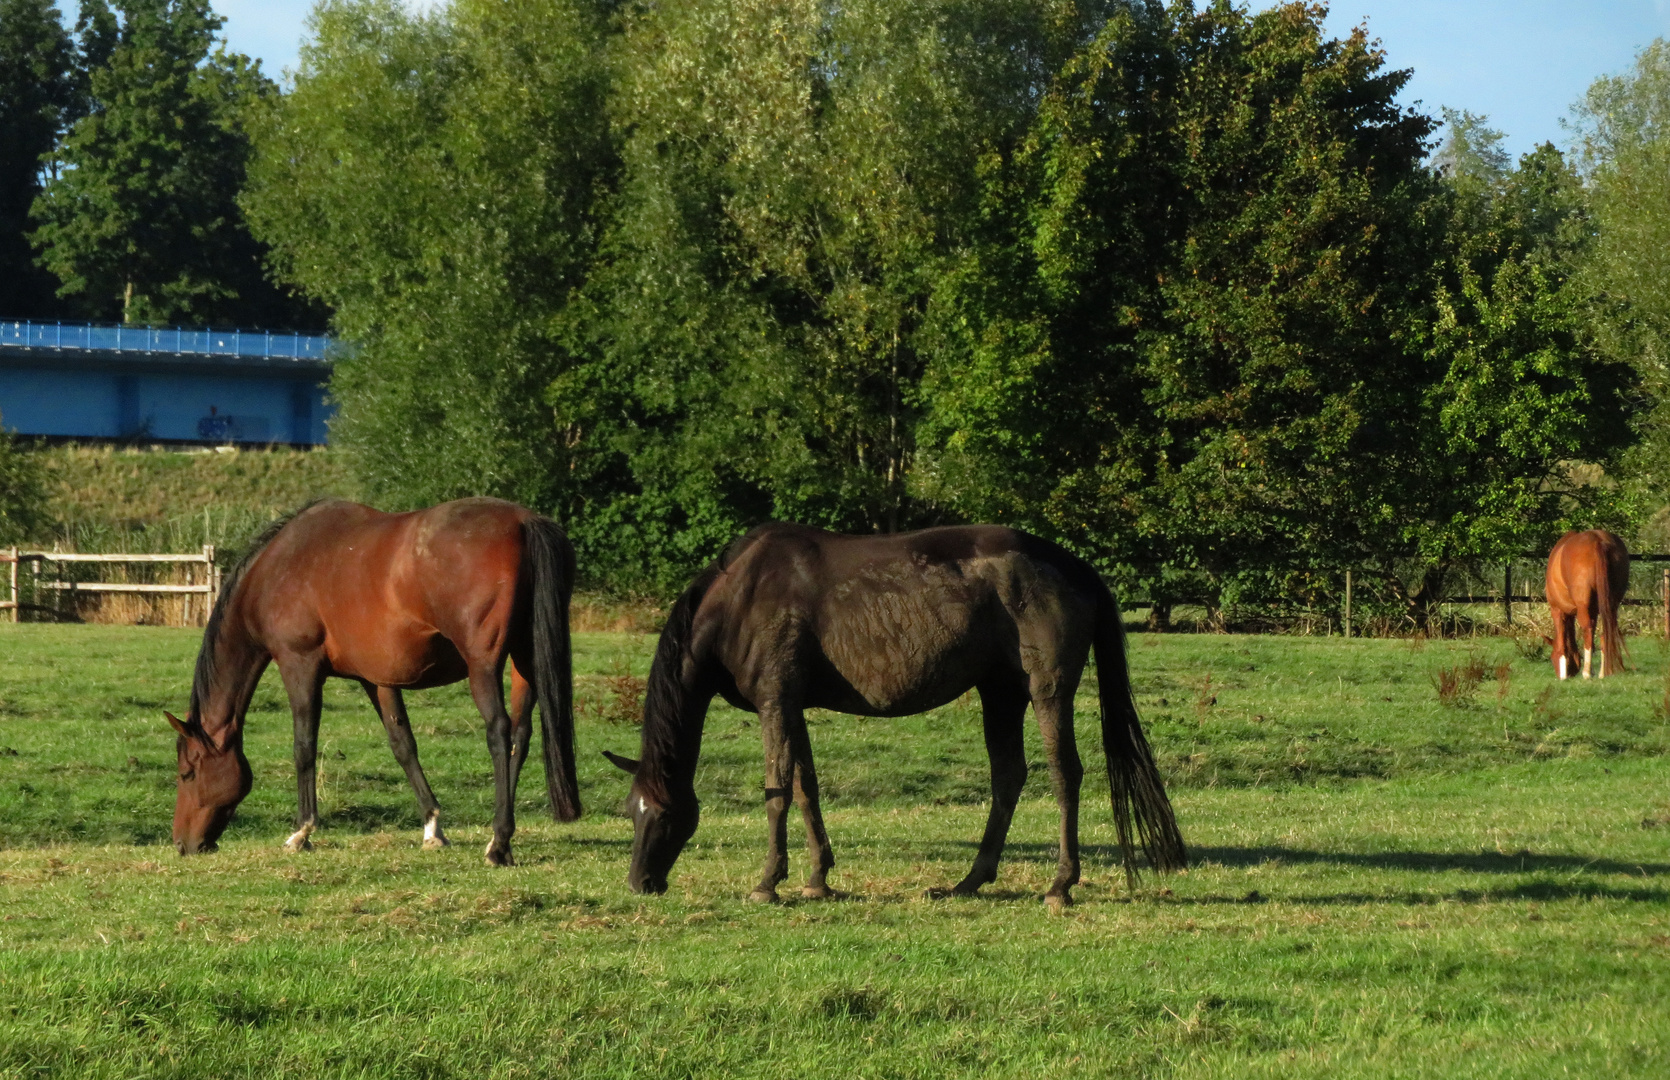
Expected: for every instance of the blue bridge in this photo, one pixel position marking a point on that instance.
(81, 381)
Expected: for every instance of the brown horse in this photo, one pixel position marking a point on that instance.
(793, 618)
(391, 601)
(1587, 575)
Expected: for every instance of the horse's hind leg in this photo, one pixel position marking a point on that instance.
(521, 722)
(822, 856)
(487, 688)
(303, 679)
(1586, 635)
(1052, 702)
(1565, 637)
(1003, 710)
(391, 708)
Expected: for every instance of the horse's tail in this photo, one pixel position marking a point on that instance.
(551, 562)
(1611, 638)
(1141, 811)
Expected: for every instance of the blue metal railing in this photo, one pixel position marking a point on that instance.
(137, 339)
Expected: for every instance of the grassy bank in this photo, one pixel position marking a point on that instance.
(1380, 887)
(104, 498)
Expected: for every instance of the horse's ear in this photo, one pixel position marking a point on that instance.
(625, 764)
(177, 724)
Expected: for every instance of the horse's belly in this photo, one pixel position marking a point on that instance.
(896, 668)
(405, 661)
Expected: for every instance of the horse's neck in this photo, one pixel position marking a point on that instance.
(237, 666)
(672, 756)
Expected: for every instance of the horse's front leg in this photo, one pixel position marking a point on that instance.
(818, 851)
(391, 708)
(779, 777)
(487, 689)
(304, 678)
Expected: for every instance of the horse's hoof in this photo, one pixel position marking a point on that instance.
(436, 843)
(298, 842)
(763, 896)
(497, 856)
(821, 892)
(1058, 903)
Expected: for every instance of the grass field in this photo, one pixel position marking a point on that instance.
(1382, 885)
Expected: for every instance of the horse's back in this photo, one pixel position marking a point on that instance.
(894, 624)
(1581, 562)
(390, 597)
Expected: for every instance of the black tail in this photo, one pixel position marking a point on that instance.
(551, 559)
(1140, 805)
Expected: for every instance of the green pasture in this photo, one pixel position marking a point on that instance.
(1383, 885)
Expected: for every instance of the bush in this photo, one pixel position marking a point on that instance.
(22, 491)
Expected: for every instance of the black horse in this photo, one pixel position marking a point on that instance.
(793, 617)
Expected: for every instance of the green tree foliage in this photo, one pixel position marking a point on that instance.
(797, 176)
(432, 179)
(22, 491)
(140, 221)
(1624, 124)
(1174, 285)
(1520, 393)
(37, 97)
(1187, 345)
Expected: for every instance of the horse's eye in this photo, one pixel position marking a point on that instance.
(187, 775)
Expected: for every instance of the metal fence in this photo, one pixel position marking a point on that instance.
(88, 337)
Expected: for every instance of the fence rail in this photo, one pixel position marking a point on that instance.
(208, 588)
(89, 337)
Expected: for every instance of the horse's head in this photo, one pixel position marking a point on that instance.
(214, 778)
(661, 826)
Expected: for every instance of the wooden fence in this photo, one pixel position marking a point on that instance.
(203, 583)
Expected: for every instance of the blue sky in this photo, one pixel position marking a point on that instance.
(1521, 62)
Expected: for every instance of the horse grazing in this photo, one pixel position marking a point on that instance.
(1588, 573)
(793, 617)
(391, 601)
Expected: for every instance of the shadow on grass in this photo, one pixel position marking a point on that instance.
(1476, 862)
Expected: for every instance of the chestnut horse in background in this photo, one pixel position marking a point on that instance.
(1587, 575)
(392, 601)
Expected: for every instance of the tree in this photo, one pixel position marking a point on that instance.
(141, 221)
(38, 95)
(432, 179)
(1624, 140)
(1520, 392)
(775, 244)
(1181, 349)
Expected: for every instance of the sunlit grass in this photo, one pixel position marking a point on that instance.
(1489, 895)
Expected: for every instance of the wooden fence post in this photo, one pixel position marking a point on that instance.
(17, 601)
(1666, 592)
(1346, 624)
(1507, 593)
(213, 595)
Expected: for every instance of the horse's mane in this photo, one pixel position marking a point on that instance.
(665, 694)
(204, 675)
